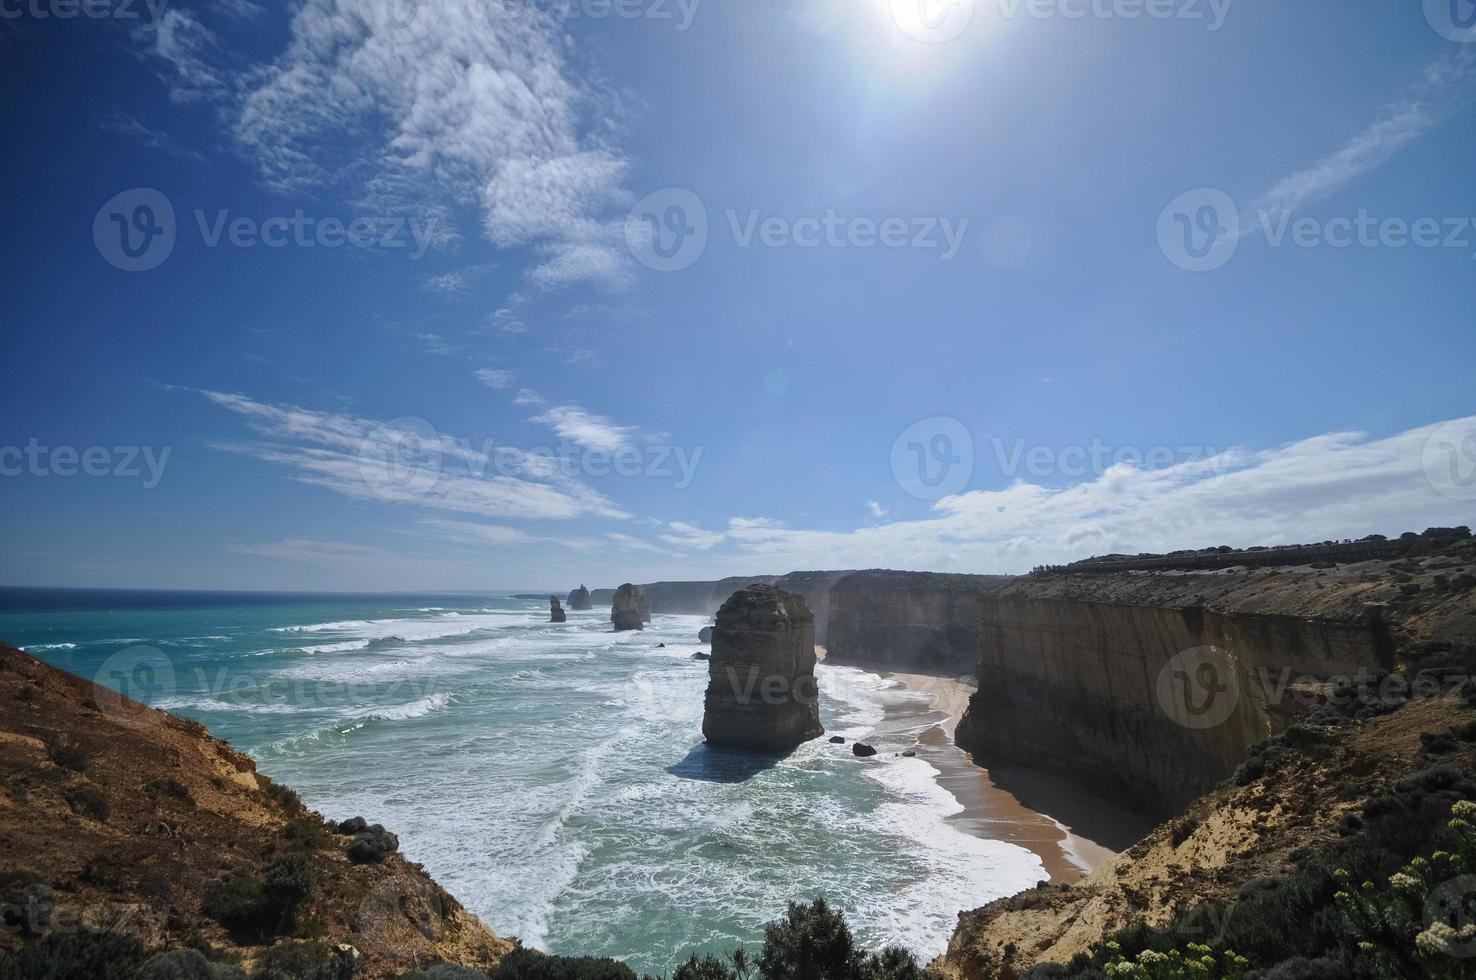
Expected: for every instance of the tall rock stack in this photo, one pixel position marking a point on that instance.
(645, 606)
(761, 690)
(579, 600)
(625, 609)
(555, 611)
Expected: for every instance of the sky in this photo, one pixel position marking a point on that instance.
(496, 294)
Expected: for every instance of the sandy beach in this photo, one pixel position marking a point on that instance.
(1072, 832)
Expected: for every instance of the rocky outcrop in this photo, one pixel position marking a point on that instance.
(625, 608)
(912, 621)
(145, 820)
(556, 611)
(704, 635)
(644, 605)
(579, 600)
(761, 692)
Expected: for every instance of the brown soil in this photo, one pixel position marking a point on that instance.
(182, 810)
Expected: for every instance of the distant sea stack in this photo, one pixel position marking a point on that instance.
(555, 611)
(625, 608)
(579, 600)
(761, 691)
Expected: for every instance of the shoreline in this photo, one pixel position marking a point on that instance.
(1068, 852)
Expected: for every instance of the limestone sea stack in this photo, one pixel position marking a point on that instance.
(645, 606)
(625, 608)
(761, 690)
(579, 600)
(555, 611)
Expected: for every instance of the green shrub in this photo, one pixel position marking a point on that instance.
(93, 955)
(88, 801)
(263, 905)
(67, 753)
(285, 797)
(528, 964)
(170, 791)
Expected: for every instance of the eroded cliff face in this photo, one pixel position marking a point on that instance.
(1148, 705)
(909, 621)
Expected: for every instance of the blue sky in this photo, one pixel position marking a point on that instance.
(982, 285)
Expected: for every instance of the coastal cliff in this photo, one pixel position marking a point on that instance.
(910, 621)
(134, 822)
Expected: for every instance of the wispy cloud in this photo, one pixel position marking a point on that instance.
(684, 535)
(1444, 89)
(587, 429)
(124, 124)
(457, 282)
(876, 509)
(408, 462)
(467, 531)
(497, 379)
(1342, 484)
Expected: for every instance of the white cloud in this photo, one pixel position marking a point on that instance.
(496, 378)
(877, 510)
(497, 534)
(307, 550)
(433, 344)
(1332, 486)
(408, 462)
(1446, 88)
(473, 107)
(457, 282)
(583, 428)
(685, 535)
(527, 396)
(629, 542)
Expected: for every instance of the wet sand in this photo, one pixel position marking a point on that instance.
(1070, 847)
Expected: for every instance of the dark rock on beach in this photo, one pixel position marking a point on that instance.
(837, 740)
(863, 751)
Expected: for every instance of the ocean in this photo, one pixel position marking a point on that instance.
(551, 777)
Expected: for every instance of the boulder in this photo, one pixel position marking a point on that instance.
(761, 690)
(372, 846)
(555, 611)
(863, 751)
(705, 636)
(699, 655)
(579, 600)
(625, 608)
(837, 740)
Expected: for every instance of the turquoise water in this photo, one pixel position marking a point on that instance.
(552, 777)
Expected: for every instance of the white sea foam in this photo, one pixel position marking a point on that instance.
(51, 646)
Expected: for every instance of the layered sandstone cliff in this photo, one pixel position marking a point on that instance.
(910, 621)
(761, 692)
